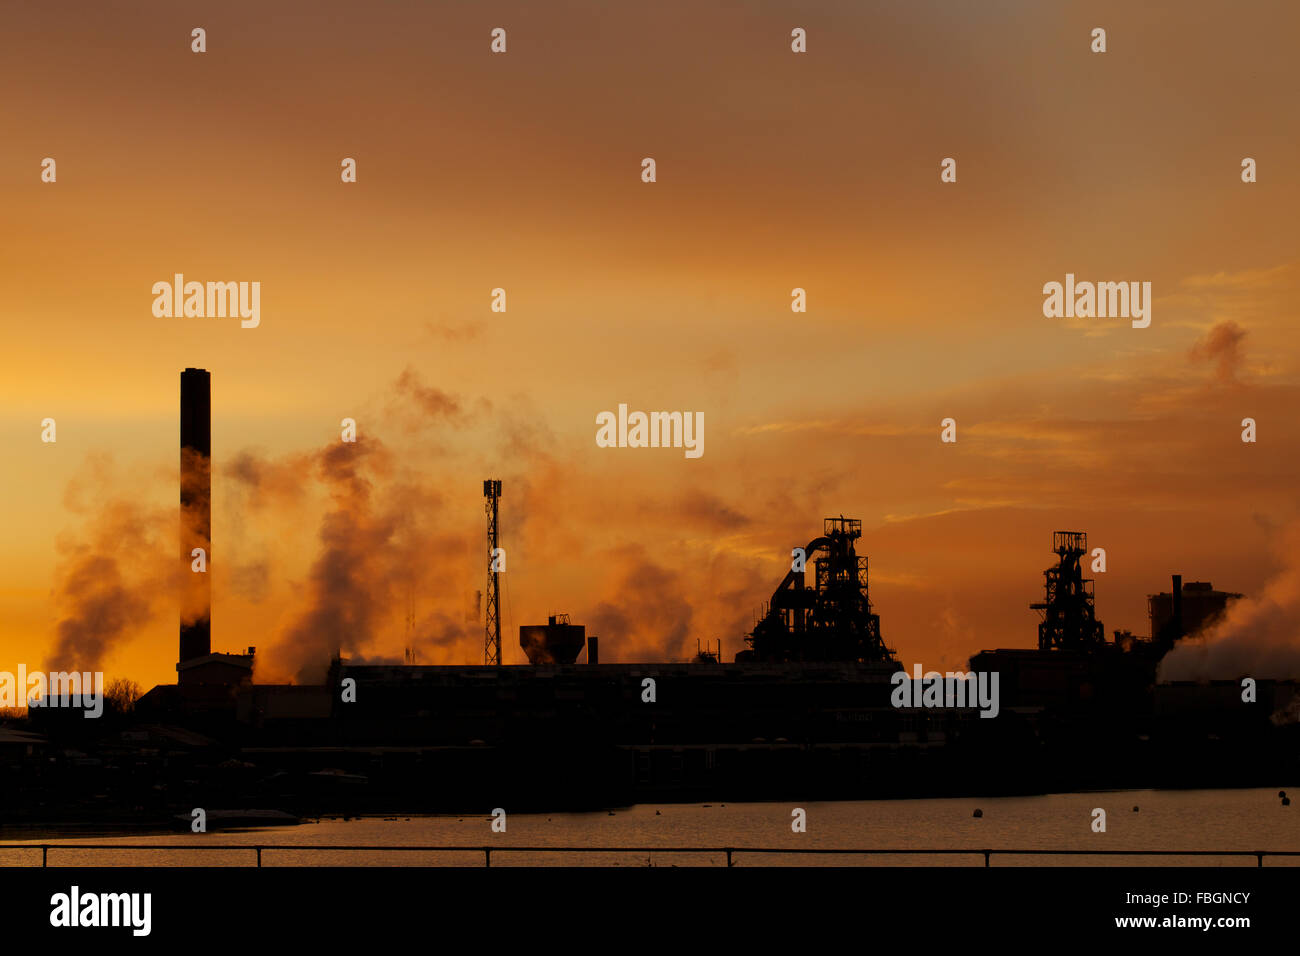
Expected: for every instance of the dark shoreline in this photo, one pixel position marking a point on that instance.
(114, 825)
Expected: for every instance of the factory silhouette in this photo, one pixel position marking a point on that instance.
(802, 711)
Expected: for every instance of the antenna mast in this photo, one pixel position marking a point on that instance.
(492, 641)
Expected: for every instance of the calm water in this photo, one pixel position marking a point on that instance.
(1166, 820)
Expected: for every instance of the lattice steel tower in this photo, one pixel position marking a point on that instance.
(492, 642)
(1069, 614)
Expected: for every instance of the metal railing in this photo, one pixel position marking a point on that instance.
(730, 851)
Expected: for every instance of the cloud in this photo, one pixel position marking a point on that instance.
(708, 512)
(1247, 279)
(433, 402)
(454, 331)
(1221, 345)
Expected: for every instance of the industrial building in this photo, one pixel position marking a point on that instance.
(831, 621)
(804, 709)
(555, 642)
(1075, 668)
(1188, 609)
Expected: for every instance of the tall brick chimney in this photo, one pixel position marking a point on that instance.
(196, 511)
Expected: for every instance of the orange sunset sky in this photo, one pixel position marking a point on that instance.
(522, 171)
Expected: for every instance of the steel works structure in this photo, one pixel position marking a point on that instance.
(832, 620)
(1069, 613)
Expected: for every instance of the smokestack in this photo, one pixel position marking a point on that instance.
(196, 511)
(593, 650)
(1178, 607)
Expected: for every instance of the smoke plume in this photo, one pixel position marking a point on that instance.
(1257, 637)
(111, 569)
(373, 548)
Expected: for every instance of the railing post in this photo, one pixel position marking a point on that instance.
(1261, 858)
(487, 856)
(259, 856)
(728, 857)
(986, 858)
(45, 851)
